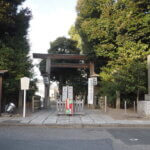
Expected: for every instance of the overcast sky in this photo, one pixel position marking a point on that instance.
(51, 19)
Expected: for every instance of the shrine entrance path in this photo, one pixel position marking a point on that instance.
(91, 118)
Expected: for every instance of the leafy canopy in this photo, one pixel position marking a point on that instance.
(66, 76)
(14, 46)
(118, 32)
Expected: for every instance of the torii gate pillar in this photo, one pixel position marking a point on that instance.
(47, 84)
(92, 72)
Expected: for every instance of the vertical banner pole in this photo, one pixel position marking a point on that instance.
(24, 104)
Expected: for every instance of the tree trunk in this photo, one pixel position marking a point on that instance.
(137, 98)
(20, 103)
(117, 99)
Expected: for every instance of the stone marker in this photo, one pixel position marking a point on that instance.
(147, 96)
(143, 107)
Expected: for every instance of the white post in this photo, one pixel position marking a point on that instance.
(25, 81)
(24, 104)
(125, 107)
(105, 103)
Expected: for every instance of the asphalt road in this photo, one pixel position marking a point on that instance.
(44, 138)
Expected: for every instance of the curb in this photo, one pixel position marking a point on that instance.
(109, 125)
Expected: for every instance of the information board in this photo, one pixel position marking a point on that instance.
(94, 80)
(70, 92)
(25, 81)
(90, 91)
(67, 92)
(64, 93)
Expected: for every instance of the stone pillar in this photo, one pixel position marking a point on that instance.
(143, 107)
(147, 96)
(46, 99)
(45, 96)
(48, 69)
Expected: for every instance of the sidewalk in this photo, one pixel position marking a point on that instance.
(91, 118)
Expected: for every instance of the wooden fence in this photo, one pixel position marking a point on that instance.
(78, 106)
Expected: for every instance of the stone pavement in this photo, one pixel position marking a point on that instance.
(91, 118)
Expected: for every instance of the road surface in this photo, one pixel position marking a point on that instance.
(44, 138)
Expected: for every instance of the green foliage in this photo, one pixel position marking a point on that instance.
(104, 25)
(74, 35)
(14, 47)
(63, 45)
(66, 76)
(119, 33)
(127, 73)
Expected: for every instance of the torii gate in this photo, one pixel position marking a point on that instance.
(50, 57)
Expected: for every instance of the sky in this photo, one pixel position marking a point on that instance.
(51, 19)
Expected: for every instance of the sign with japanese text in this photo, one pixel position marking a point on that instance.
(94, 80)
(64, 93)
(90, 91)
(70, 92)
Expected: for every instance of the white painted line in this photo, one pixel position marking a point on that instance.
(134, 139)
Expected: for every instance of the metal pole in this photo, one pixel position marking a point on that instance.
(105, 103)
(24, 104)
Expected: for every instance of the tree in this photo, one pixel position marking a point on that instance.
(131, 25)
(74, 35)
(91, 32)
(14, 46)
(104, 25)
(66, 76)
(126, 74)
(117, 31)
